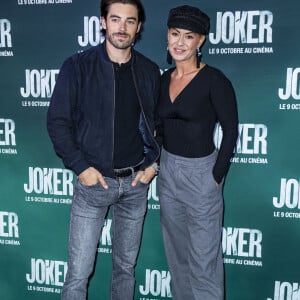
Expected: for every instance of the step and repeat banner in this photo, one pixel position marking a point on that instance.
(256, 44)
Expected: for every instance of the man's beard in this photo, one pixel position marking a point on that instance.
(120, 44)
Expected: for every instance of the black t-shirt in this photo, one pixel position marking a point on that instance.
(188, 124)
(128, 143)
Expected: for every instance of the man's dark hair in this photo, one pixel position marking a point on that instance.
(106, 3)
(104, 7)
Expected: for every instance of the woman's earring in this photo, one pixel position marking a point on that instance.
(198, 56)
(169, 57)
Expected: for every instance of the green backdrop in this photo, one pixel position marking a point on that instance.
(256, 44)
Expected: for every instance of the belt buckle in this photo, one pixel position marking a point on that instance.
(127, 171)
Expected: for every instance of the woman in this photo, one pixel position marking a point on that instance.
(194, 97)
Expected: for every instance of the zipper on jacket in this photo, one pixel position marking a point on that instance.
(142, 110)
(113, 117)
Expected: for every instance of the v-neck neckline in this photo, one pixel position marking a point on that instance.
(187, 85)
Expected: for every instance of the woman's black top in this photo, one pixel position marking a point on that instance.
(186, 126)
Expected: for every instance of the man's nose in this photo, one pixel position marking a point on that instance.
(122, 26)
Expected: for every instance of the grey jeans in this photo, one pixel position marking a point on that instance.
(191, 219)
(88, 211)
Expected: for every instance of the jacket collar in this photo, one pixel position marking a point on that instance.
(104, 53)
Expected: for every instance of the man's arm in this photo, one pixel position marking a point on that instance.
(60, 118)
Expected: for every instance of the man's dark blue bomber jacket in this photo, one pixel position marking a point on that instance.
(80, 117)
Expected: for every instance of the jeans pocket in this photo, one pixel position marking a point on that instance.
(87, 186)
(92, 195)
(144, 183)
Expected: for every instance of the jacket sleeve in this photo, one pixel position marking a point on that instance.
(61, 120)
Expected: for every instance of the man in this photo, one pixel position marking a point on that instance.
(100, 121)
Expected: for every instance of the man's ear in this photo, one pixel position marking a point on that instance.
(103, 22)
(139, 27)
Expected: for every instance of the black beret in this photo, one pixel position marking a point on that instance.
(189, 18)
